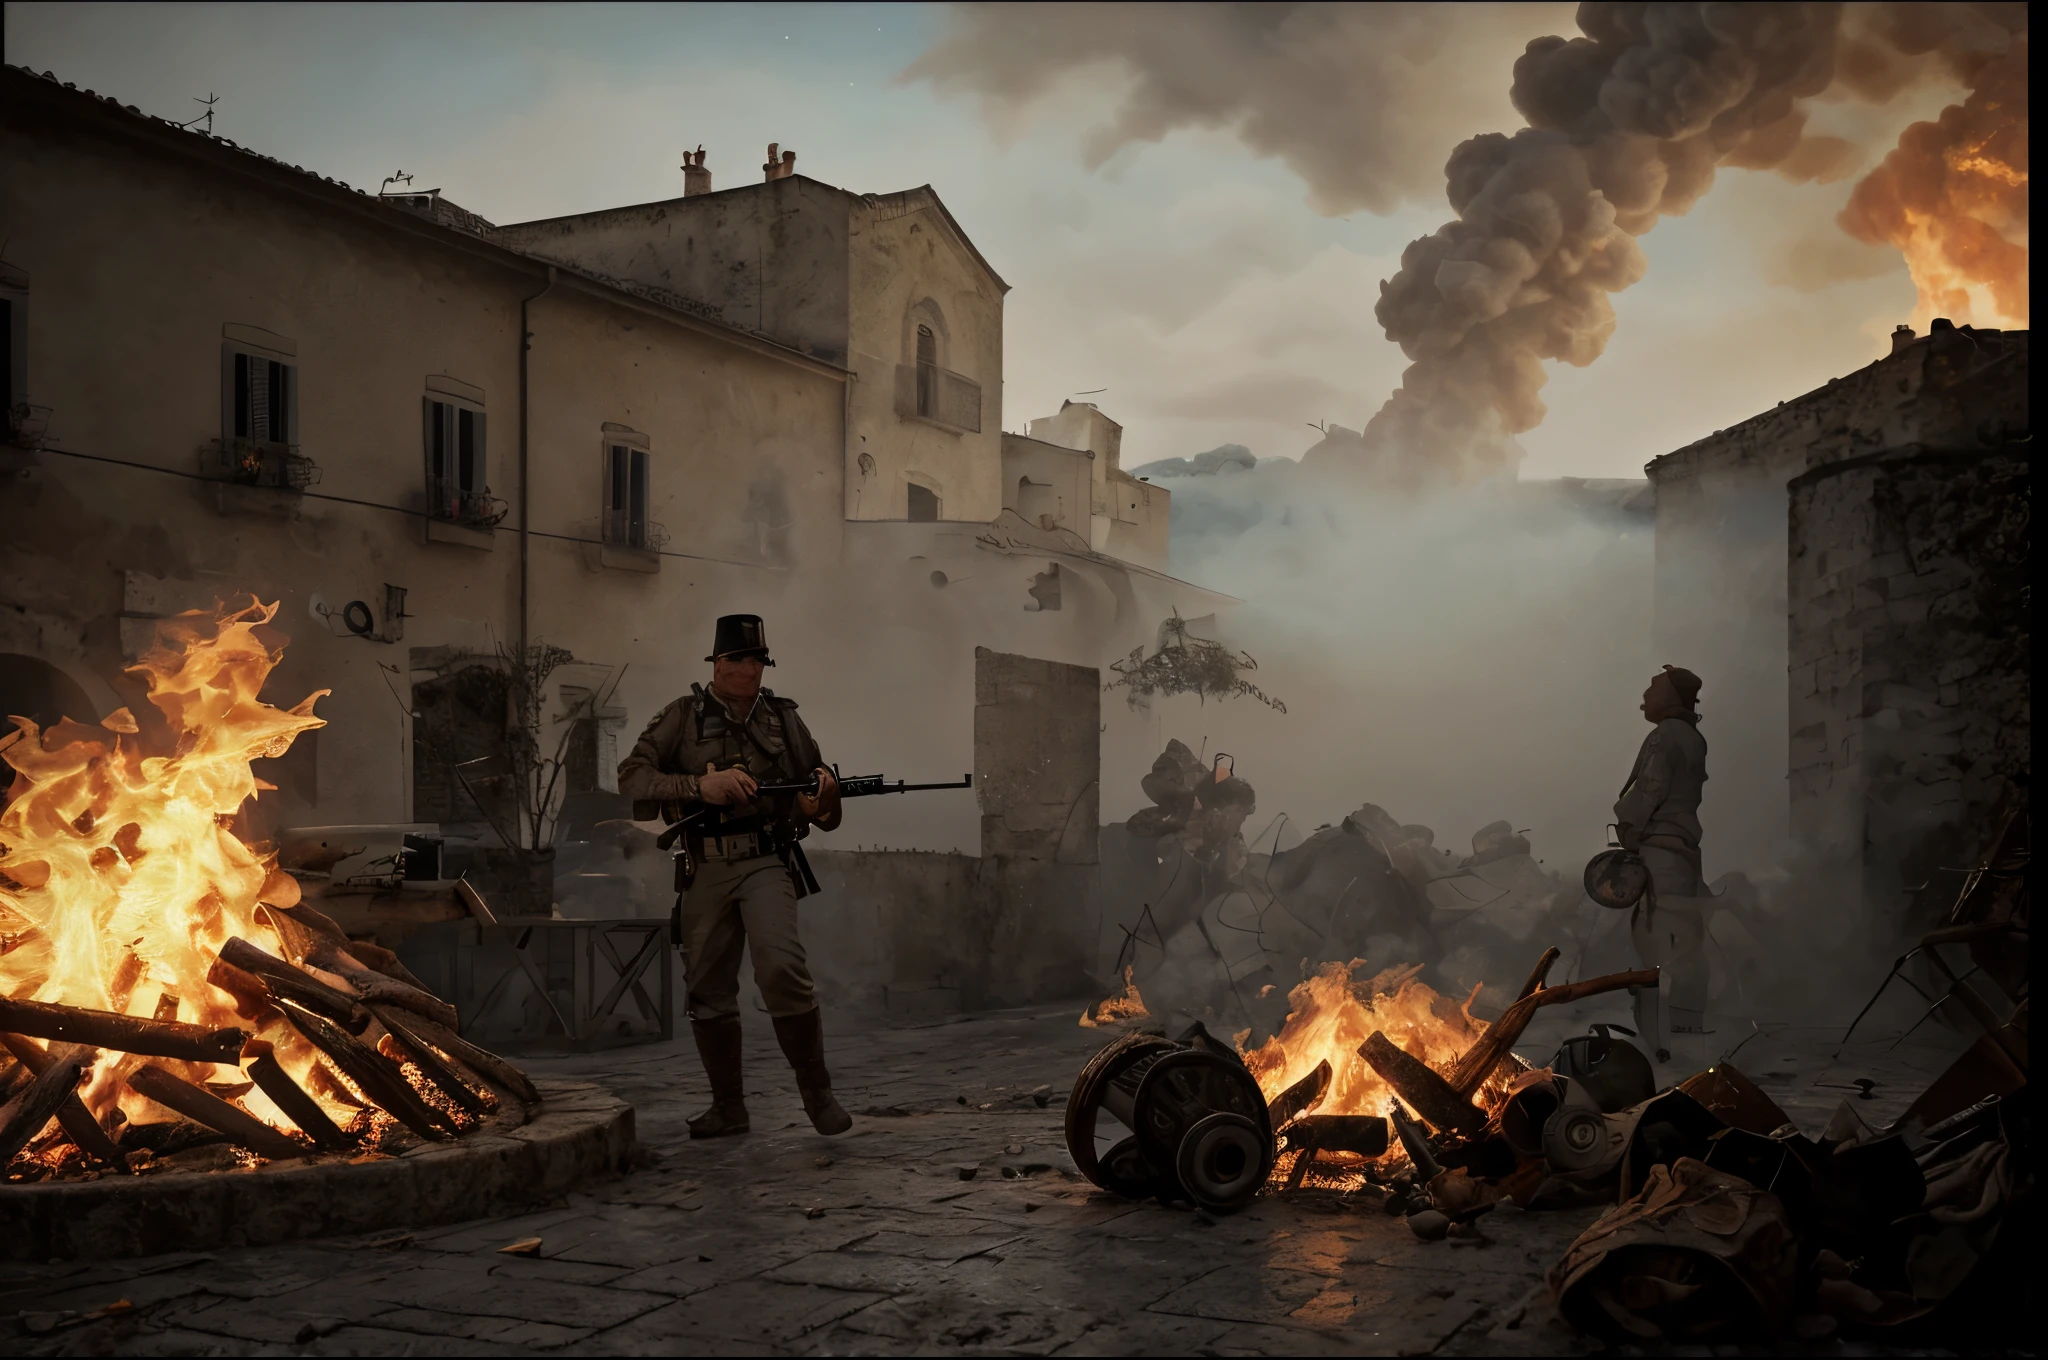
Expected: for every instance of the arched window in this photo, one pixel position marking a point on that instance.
(927, 368)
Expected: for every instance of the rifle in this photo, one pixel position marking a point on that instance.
(857, 786)
(850, 786)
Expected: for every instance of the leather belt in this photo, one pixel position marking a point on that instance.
(738, 846)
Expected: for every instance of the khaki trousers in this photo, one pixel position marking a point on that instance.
(746, 904)
(1673, 937)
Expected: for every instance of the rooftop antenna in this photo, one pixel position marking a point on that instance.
(1094, 393)
(400, 178)
(206, 117)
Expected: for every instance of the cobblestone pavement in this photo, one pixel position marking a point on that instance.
(880, 1240)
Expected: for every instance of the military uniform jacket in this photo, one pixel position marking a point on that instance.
(696, 734)
(1662, 796)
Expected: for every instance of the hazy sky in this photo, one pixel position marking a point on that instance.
(1189, 276)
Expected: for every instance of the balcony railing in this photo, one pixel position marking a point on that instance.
(621, 530)
(455, 504)
(928, 392)
(253, 463)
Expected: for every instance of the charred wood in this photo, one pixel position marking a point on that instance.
(304, 1111)
(373, 1074)
(77, 1121)
(423, 1056)
(1299, 1098)
(1439, 1104)
(23, 1117)
(384, 961)
(284, 982)
(481, 1061)
(122, 1033)
(203, 1107)
(1478, 1061)
(375, 987)
(1538, 975)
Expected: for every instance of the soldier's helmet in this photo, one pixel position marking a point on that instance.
(740, 635)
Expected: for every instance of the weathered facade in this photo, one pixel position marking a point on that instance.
(886, 285)
(1870, 538)
(428, 442)
(1068, 473)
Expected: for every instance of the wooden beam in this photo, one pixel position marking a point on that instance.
(202, 1106)
(136, 1034)
(78, 1121)
(23, 1117)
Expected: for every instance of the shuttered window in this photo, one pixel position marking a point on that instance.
(264, 400)
(626, 495)
(927, 372)
(455, 460)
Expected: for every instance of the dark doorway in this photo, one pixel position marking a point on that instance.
(924, 502)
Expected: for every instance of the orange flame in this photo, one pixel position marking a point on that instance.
(1332, 1016)
(1129, 1006)
(120, 875)
(1952, 197)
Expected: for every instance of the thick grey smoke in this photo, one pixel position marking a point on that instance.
(1353, 98)
(1626, 124)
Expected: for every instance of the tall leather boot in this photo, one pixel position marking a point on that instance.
(803, 1043)
(718, 1045)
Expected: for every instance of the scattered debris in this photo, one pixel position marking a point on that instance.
(525, 1246)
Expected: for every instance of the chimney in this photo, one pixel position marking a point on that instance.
(696, 179)
(1902, 336)
(778, 169)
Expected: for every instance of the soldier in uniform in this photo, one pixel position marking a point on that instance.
(1658, 817)
(716, 748)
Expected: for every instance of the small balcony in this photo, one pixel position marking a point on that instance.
(938, 396)
(249, 462)
(452, 503)
(630, 543)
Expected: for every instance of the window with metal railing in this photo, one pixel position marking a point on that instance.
(455, 447)
(627, 498)
(259, 443)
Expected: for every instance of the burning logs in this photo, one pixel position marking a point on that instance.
(271, 1078)
(125, 1033)
(373, 1074)
(203, 1107)
(23, 1117)
(76, 1120)
(411, 1047)
(483, 1062)
(1480, 1059)
(283, 982)
(1442, 1105)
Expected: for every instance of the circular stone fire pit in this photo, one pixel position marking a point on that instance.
(517, 1158)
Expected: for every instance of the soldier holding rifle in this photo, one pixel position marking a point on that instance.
(717, 749)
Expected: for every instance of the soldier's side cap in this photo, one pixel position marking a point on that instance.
(740, 635)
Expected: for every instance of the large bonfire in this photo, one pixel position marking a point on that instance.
(135, 921)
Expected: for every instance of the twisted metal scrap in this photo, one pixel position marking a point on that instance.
(1186, 664)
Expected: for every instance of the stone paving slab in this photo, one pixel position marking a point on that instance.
(782, 1242)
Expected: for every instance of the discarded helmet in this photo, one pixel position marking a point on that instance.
(1617, 878)
(1612, 1071)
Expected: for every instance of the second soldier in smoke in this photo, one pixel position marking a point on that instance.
(715, 748)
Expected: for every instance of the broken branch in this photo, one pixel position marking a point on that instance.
(1479, 1060)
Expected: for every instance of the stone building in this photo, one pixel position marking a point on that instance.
(1848, 571)
(430, 437)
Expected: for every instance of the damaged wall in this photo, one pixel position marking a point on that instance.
(1911, 716)
(1769, 564)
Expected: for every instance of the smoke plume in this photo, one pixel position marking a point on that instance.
(1351, 97)
(1954, 193)
(1627, 123)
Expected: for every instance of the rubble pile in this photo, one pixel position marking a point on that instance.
(1730, 1222)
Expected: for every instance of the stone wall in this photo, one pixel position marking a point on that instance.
(1727, 608)
(1909, 658)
